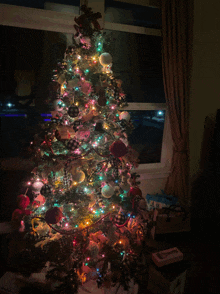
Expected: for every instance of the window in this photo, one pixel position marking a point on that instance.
(40, 4)
(150, 99)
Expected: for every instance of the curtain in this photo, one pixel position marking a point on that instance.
(177, 27)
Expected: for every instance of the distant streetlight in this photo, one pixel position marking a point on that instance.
(160, 113)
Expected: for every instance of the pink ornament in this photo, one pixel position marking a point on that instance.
(83, 134)
(86, 42)
(86, 87)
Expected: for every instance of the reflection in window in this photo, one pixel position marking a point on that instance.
(147, 135)
(132, 14)
(137, 61)
(39, 3)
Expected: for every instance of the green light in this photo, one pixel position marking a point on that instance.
(101, 178)
(107, 102)
(99, 49)
(86, 71)
(117, 114)
(86, 264)
(99, 44)
(76, 226)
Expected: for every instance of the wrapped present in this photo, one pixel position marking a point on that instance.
(166, 257)
(172, 219)
(169, 279)
(161, 200)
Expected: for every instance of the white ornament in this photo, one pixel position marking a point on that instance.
(37, 186)
(107, 191)
(105, 59)
(124, 115)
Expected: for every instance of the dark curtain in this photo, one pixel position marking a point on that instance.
(177, 28)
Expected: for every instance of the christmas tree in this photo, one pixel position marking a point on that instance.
(88, 218)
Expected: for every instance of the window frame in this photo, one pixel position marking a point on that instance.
(62, 22)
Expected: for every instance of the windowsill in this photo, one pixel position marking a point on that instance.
(153, 171)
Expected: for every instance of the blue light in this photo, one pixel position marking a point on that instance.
(46, 114)
(47, 119)
(9, 105)
(11, 115)
(97, 269)
(76, 88)
(160, 113)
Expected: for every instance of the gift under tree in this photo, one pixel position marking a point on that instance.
(87, 219)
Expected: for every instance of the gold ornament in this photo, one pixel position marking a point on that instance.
(78, 176)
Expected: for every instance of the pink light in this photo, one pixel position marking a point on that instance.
(112, 107)
(29, 183)
(83, 79)
(66, 225)
(88, 258)
(103, 255)
(86, 105)
(93, 102)
(65, 94)
(77, 151)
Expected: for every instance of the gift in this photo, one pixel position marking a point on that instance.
(159, 201)
(169, 279)
(172, 219)
(166, 257)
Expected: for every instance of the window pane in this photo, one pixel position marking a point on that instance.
(137, 61)
(39, 3)
(27, 60)
(125, 13)
(147, 135)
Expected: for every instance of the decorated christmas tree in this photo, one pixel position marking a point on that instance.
(83, 216)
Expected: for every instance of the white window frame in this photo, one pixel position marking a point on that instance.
(32, 18)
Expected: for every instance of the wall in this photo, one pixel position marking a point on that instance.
(205, 89)
(204, 102)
